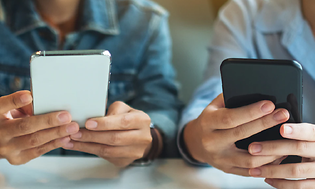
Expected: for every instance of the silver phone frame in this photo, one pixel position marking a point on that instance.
(70, 53)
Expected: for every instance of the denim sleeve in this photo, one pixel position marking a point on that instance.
(157, 90)
(231, 39)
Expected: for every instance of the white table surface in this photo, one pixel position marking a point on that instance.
(94, 173)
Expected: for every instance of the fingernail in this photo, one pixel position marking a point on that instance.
(288, 130)
(91, 124)
(255, 172)
(65, 140)
(280, 116)
(64, 117)
(78, 135)
(256, 148)
(69, 145)
(72, 128)
(267, 107)
(26, 98)
(269, 181)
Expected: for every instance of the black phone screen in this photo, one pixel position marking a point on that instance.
(246, 81)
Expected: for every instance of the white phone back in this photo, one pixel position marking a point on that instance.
(75, 83)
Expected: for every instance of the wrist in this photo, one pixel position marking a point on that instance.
(192, 141)
(154, 148)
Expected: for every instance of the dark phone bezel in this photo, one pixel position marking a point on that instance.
(295, 64)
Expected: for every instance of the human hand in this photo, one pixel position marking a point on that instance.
(211, 137)
(24, 137)
(120, 137)
(301, 142)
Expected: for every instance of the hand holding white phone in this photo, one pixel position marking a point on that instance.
(74, 81)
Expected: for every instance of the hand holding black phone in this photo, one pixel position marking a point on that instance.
(246, 81)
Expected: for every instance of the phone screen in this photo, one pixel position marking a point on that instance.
(75, 81)
(246, 81)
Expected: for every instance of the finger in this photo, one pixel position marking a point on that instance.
(113, 138)
(245, 160)
(118, 107)
(297, 170)
(28, 125)
(237, 171)
(128, 121)
(256, 126)
(105, 151)
(291, 184)
(15, 101)
(302, 131)
(283, 148)
(27, 110)
(27, 155)
(230, 118)
(42, 137)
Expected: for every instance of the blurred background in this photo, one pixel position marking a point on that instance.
(191, 25)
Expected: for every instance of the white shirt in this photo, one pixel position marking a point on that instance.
(262, 29)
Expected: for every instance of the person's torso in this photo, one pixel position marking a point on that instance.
(279, 31)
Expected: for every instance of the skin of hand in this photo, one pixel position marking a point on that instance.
(211, 137)
(301, 142)
(120, 137)
(24, 137)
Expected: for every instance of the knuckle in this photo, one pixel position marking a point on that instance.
(203, 123)
(265, 122)
(56, 144)
(40, 151)
(24, 126)
(15, 101)
(34, 140)
(205, 142)
(209, 143)
(118, 103)
(272, 147)
(297, 171)
(50, 120)
(125, 121)
(270, 172)
(301, 147)
(59, 132)
(203, 118)
(217, 159)
(104, 152)
(226, 119)
(238, 132)
(300, 185)
(252, 113)
(114, 139)
(251, 163)
(145, 117)
(105, 121)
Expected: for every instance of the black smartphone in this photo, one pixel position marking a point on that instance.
(246, 81)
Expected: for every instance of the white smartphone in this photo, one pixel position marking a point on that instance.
(75, 81)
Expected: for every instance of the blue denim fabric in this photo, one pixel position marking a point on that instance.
(134, 31)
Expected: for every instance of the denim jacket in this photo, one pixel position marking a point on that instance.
(134, 31)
